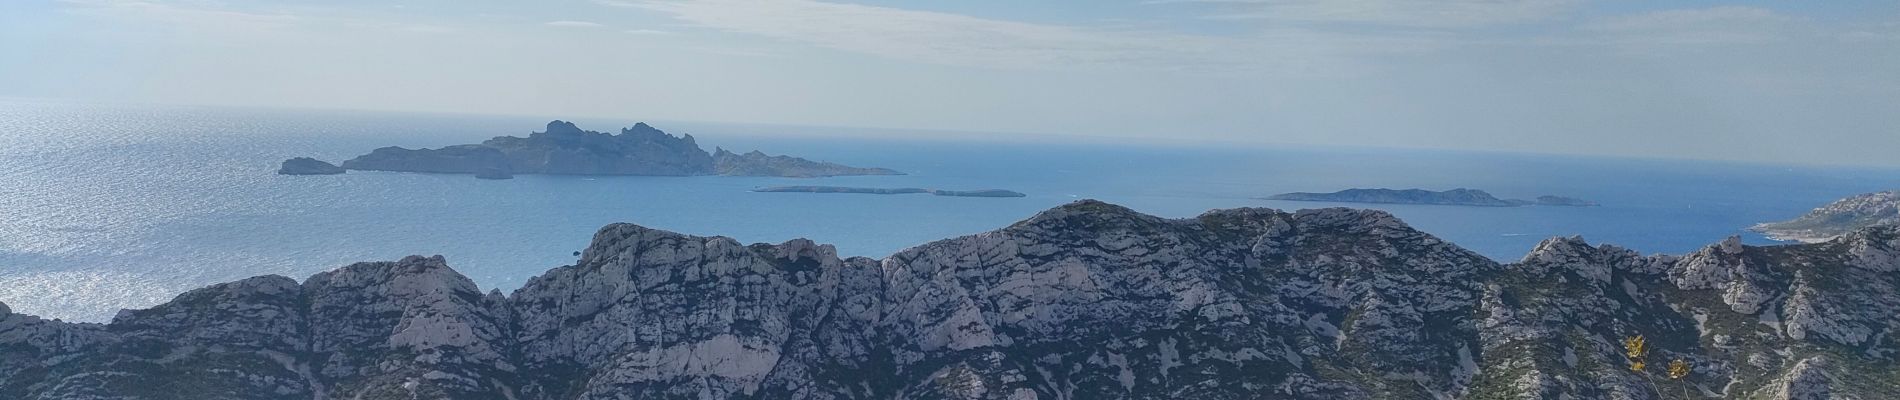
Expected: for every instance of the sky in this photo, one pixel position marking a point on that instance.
(1787, 82)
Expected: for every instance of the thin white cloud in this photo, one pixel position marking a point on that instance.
(955, 39)
(647, 32)
(181, 15)
(1400, 13)
(930, 36)
(1715, 25)
(574, 24)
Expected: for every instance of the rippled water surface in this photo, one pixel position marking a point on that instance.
(108, 207)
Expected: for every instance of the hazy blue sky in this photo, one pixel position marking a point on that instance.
(1812, 82)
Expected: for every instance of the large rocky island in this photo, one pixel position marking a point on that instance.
(563, 148)
(1454, 197)
(859, 190)
(1837, 218)
(1084, 301)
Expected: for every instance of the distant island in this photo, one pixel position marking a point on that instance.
(757, 163)
(308, 166)
(859, 190)
(564, 148)
(1454, 197)
(1837, 218)
(1559, 201)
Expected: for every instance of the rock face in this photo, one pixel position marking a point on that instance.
(564, 148)
(1837, 218)
(756, 163)
(859, 190)
(308, 166)
(1454, 197)
(1085, 301)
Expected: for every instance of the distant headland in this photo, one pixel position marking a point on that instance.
(1454, 197)
(860, 190)
(564, 149)
(1837, 218)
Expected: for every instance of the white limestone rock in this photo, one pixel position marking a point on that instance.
(1087, 300)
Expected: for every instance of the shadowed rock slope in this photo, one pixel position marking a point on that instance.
(1084, 301)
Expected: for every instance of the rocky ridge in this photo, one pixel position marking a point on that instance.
(1086, 300)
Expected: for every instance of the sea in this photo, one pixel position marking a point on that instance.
(106, 207)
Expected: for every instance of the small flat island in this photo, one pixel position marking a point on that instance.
(1454, 197)
(859, 190)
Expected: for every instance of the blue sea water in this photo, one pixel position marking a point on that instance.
(108, 207)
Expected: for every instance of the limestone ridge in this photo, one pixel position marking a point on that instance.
(1086, 300)
(563, 148)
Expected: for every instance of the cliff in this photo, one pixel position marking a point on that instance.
(1087, 300)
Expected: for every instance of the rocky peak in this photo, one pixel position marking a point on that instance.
(641, 129)
(1084, 216)
(559, 128)
(1731, 245)
(1808, 380)
(414, 324)
(1875, 249)
(1560, 250)
(257, 313)
(1566, 254)
(1354, 219)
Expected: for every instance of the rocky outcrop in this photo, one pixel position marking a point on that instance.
(308, 166)
(756, 163)
(1087, 300)
(1454, 197)
(563, 148)
(1837, 218)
